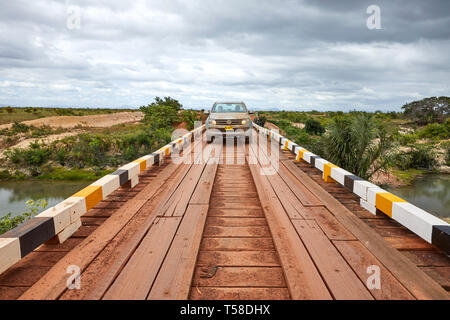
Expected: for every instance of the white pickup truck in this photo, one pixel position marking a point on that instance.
(229, 120)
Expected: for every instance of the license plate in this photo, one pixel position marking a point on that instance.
(227, 128)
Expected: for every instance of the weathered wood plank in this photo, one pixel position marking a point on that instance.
(174, 278)
(343, 283)
(136, 278)
(360, 259)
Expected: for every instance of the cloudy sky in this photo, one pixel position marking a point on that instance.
(299, 55)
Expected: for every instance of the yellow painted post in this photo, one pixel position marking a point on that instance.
(286, 143)
(142, 164)
(300, 154)
(92, 195)
(327, 172)
(384, 201)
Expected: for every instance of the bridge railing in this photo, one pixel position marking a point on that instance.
(59, 222)
(373, 198)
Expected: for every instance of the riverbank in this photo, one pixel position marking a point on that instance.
(56, 174)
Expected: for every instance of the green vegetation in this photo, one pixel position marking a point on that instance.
(406, 144)
(260, 121)
(418, 157)
(162, 113)
(435, 131)
(359, 145)
(189, 116)
(8, 222)
(314, 127)
(94, 153)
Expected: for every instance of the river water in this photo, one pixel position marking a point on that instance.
(14, 194)
(430, 192)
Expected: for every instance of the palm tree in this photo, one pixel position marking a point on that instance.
(359, 145)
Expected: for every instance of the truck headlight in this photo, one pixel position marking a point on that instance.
(244, 122)
(213, 122)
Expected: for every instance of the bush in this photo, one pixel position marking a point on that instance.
(19, 127)
(260, 121)
(419, 157)
(189, 116)
(406, 139)
(435, 131)
(314, 127)
(161, 113)
(359, 145)
(7, 222)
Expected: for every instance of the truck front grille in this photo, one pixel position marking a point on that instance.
(228, 122)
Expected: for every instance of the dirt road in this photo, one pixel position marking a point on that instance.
(94, 121)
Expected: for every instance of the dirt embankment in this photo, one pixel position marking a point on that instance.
(93, 121)
(78, 124)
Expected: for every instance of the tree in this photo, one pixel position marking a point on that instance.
(428, 110)
(162, 113)
(359, 145)
(314, 127)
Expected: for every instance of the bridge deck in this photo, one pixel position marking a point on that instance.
(224, 231)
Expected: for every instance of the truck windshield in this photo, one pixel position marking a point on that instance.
(228, 107)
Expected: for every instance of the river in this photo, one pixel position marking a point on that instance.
(14, 194)
(430, 192)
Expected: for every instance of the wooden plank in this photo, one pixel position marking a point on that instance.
(343, 283)
(413, 279)
(235, 222)
(236, 212)
(360, 259)
(202, 193)
(235, 231)
(236, 244)
(302, 193)
(178, 202)
(302, 277)
(239, 258)
(174, 278)
(442, 274)
(328, 223)
(241, 277)
(427, 258)
(214, 293)
(408, 243)
(136, 278)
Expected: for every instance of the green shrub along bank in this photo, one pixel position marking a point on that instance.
(8, 222)
(89, 155)
(360, 145)
(418, 157)
(98, 151)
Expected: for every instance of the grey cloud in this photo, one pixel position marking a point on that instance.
(283, 54)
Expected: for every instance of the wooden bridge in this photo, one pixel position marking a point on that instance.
(226, 221)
